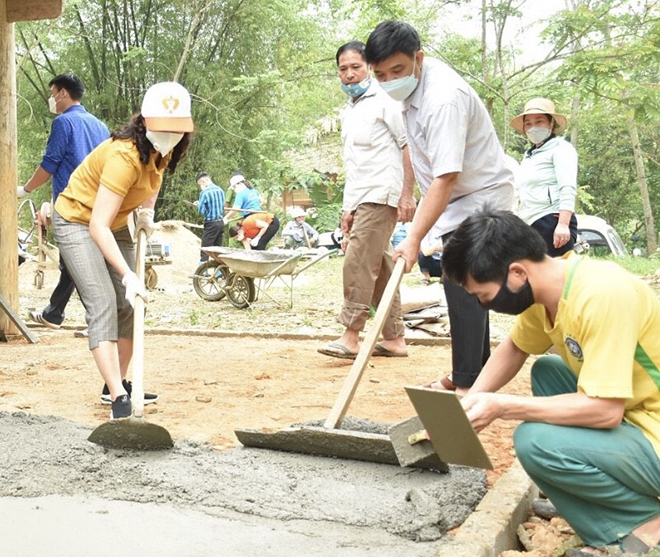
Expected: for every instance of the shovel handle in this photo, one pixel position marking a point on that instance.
(137, 396)
(357, 369)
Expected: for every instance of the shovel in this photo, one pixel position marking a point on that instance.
(135, 432)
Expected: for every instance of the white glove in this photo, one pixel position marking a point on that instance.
(196, 203)
(145, 221)
(21, 192)
(254, 242)
(134, 287)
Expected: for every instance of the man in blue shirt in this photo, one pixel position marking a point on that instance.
(74, 134)
(211, 206)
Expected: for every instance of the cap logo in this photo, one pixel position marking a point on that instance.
(170, 104)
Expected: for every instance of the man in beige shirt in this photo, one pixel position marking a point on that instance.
(378, 192)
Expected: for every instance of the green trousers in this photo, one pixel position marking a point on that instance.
(604, 482)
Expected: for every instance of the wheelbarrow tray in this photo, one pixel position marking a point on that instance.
(255, 264)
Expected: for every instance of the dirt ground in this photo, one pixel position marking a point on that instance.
(209, 386)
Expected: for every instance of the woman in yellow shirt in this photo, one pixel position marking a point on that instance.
(122, 174)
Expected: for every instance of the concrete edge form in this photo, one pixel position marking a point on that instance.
(242, 334)
(491, 528)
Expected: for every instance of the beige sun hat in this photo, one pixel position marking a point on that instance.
(540, 106)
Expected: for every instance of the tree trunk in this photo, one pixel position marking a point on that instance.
(575, 110)
(651, 243)
(8, 179)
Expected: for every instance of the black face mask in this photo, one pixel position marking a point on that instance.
(509, 302)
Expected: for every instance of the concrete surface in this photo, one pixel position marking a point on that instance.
(56, 486)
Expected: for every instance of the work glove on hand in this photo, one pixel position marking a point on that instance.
(134, 287)
(254, 242)
(145, 221)
(21, 192)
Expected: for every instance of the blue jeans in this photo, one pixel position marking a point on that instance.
(604, 482)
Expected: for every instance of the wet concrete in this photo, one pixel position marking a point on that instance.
(320, 498)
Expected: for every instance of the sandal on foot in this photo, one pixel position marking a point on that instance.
(337, 350)
(380, 350)
(632, 545)
(447, 383)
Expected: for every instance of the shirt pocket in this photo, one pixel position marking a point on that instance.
(362, 135)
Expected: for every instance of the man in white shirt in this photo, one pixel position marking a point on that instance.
(378, 192)
(458, 163)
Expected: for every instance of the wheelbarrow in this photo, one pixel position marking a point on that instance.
(232, 272)
(39, 221)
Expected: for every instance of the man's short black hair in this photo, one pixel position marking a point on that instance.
(486, 243)
(202, 175)
(71, 82)
(389, 38)
(357, 46)
(234, 230)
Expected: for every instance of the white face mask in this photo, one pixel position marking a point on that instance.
(52, 104)
(400, 89)
(537, 134)
(164, 142)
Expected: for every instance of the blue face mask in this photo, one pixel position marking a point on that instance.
(356, 89)
(400, 89)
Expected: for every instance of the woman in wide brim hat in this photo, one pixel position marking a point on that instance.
(547, 177)
(540, 106)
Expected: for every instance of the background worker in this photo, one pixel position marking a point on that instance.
(73, 135)
(590, 437)
(247, 200)
(90, 225)
(430, 256)
(211, 205)
(297, 233)
(459, 165)
(256, 231)
(378, 192)
(547, 177)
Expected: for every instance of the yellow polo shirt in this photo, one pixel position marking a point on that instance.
(116, 165)
(607, 331)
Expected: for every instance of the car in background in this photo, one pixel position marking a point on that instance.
(597, 237)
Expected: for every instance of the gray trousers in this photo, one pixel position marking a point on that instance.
(108, 314)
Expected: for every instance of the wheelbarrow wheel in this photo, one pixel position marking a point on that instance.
(210, 280)
(241, 291)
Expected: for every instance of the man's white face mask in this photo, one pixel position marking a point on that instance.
(164, 142)
(52, 103)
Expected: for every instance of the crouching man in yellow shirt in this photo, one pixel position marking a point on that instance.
(590, 436)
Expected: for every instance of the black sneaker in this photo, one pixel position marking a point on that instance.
(121, 408)
(105, 394)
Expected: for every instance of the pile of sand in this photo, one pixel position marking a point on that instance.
(184, 254)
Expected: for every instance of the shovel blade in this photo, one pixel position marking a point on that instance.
(131, 433)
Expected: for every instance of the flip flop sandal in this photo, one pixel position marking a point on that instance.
(336, 350)
(380, 350)
(447, 383)
(632, 545)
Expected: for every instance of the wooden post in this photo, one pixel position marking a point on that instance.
(8, 178)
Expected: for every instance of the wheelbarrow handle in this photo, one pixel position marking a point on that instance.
(315, 260)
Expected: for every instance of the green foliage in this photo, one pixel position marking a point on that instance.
(641, 266)
(325, 218)
(262, 76)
